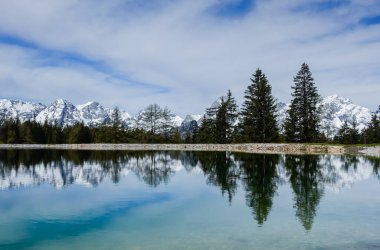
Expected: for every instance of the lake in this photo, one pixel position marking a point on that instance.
(57, 199)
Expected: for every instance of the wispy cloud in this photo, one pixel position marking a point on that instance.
(184, 54)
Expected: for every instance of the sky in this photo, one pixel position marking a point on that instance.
(184, 54)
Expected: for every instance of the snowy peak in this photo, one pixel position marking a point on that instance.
(218, 102)
(336, 110)
(60, 112)
(337, 99)
(89, 105)
(24, 111)
(190, 118)
(92, 114)
(177, 121)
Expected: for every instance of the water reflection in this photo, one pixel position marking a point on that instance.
(259, 175)
(306, 178)
(260, 180)
(221, 170)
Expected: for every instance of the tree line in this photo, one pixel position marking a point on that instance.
(256, 122)
(154, 125)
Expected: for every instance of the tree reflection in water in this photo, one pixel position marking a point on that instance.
(221, 170)
(306, 179)
(259, 178)
(259, 175)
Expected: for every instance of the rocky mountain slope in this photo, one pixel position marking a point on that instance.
(23, 110)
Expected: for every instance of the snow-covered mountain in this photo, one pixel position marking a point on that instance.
(61, 112)
(189, 125)
(190, 118)
(335, 111)
(177, 121)
(92, 113)
(24, 111)
(193, 120)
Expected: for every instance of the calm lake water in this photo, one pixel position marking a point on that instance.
(187, 200)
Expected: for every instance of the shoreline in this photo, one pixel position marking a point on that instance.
(260, 148)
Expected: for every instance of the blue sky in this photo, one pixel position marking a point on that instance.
(185, 54)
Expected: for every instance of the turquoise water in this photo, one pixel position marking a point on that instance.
(187, 200)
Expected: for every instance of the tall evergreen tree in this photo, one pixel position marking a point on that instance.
(222, 119)
(204, 133)
(302, 122)
(372, 133)
(344, 136)
(116, 126)
(218, 124)
(354, 132)
(116, 121)
(258, 113)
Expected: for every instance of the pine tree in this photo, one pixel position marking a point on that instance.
(291, 124)
(204, 133)
(224, 116)
(176, 137)
(218, 123)
(78, 133)
(116, 126)
(343, 135)
(221, 124)
(115, 118)
(354, 133)
(302, 122)
(372, 133)
(258, 114)
(12, 132)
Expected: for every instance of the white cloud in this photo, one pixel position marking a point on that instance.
(181, 47)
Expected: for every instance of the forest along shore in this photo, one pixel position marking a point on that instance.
(264, 148)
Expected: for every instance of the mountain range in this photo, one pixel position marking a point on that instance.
(335, 111)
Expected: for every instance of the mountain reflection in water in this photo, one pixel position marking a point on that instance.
(259, 175)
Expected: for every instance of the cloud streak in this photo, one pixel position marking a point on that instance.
(184, 54)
